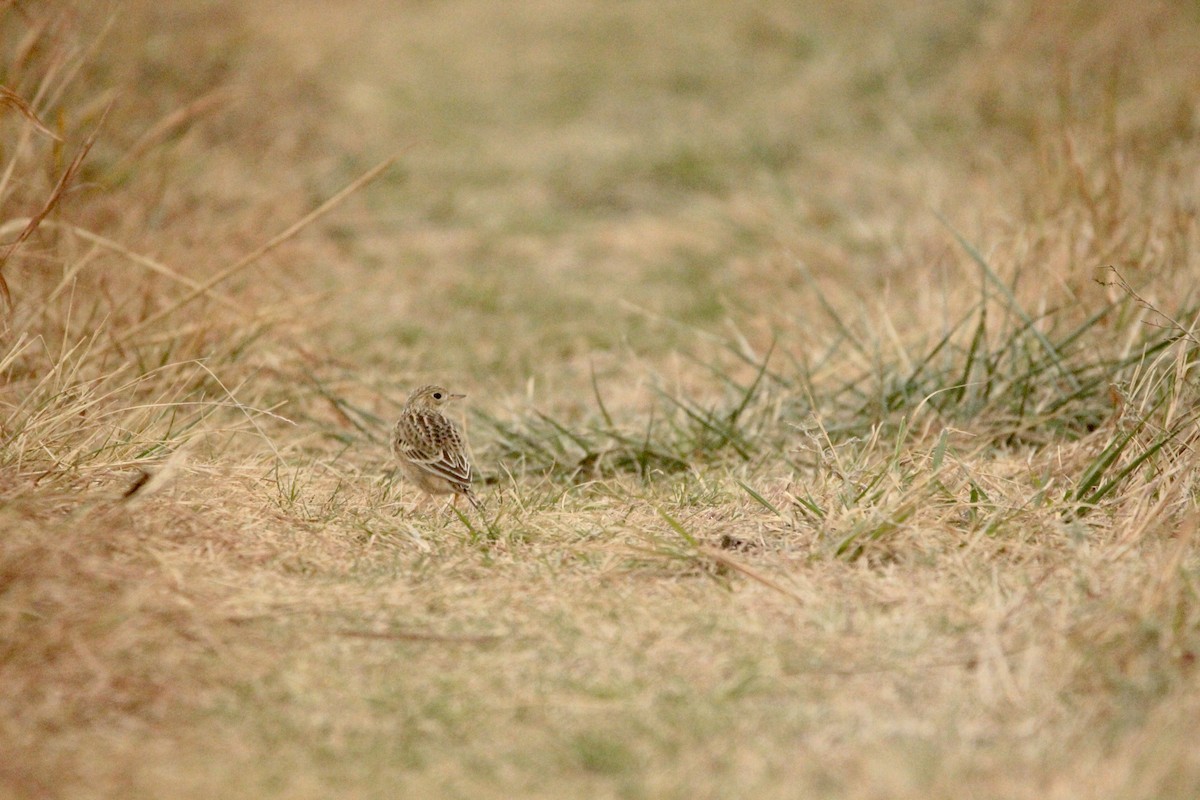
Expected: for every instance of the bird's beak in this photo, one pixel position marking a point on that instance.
(457, 396)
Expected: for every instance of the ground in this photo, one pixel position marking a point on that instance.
(830, 373)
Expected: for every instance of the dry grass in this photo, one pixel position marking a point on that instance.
(832, 373)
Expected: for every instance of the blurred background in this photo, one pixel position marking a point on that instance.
(829, 366)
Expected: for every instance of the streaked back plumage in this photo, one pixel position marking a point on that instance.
(432, 451)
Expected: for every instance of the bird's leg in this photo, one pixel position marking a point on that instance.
(446, 507)
(420, 503)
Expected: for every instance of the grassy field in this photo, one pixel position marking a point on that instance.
(831, 372)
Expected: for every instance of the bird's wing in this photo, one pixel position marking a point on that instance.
(434, 444)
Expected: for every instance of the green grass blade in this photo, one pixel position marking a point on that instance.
(1011, 299)
(762, 501)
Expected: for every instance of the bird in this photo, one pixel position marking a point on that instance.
(430, 447)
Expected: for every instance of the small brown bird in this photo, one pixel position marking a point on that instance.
(431, 449)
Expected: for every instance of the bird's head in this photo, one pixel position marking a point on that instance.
(432, 396)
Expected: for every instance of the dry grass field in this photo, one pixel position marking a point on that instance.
(831, 371)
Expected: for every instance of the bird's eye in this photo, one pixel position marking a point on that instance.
(437, 395)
